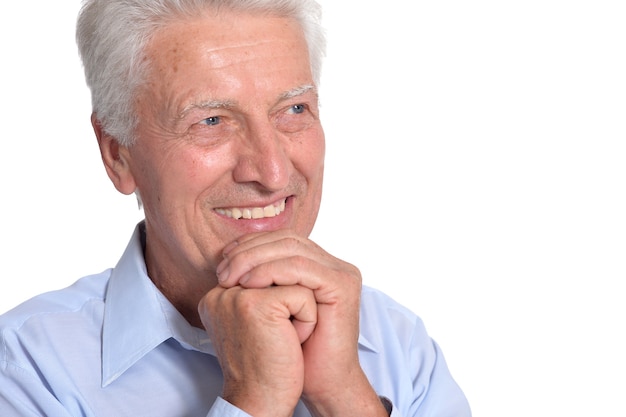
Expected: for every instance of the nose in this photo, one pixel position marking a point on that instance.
(263, 157)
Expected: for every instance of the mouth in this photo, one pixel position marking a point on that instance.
(253, 213)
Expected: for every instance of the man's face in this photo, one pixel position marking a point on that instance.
(229, 139)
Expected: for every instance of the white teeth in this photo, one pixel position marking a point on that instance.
(253, 213)
(257, 213)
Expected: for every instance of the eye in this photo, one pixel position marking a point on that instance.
(211, 121)
(297, 109)
(294, 118)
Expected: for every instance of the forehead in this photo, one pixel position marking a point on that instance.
(228, 51)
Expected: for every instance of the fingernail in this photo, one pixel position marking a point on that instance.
(222, 271)
(229, 247)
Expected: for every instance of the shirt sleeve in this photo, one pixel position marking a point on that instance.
(404, 363)
(440, 397)
(222, 408)
(444, 397)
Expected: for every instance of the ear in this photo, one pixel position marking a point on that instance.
(116, 159)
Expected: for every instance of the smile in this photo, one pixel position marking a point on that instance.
(253, 212)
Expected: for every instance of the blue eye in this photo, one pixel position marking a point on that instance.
(212, 121)
(298, 108)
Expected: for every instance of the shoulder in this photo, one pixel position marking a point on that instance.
(382, 315)
(53, 335)
(73, 298)
(378, 303)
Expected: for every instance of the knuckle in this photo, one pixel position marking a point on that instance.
(291, 242)
(246, 302)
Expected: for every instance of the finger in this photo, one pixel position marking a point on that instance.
(268, 305)
(265, 248)
(303, 312)
(329, 285)
(292, 270)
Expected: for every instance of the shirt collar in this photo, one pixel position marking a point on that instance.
(138, 317)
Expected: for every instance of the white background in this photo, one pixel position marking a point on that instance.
(475, 171)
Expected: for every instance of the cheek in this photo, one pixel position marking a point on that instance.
(312, 152)
(168, 174)
(311, 166)
(195, 170)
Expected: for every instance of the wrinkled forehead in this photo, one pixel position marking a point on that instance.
(227, 57)
(221, 40)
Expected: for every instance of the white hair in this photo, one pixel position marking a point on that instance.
(112, 35)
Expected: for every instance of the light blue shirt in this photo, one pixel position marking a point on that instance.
(111, 345)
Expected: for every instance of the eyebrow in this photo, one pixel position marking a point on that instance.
(298, 91)
(229, 104)
(209, 104)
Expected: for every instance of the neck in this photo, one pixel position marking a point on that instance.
(182, 286)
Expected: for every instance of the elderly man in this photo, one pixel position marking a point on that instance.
(220, 305)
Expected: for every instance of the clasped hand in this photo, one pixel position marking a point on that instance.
(284, 324)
